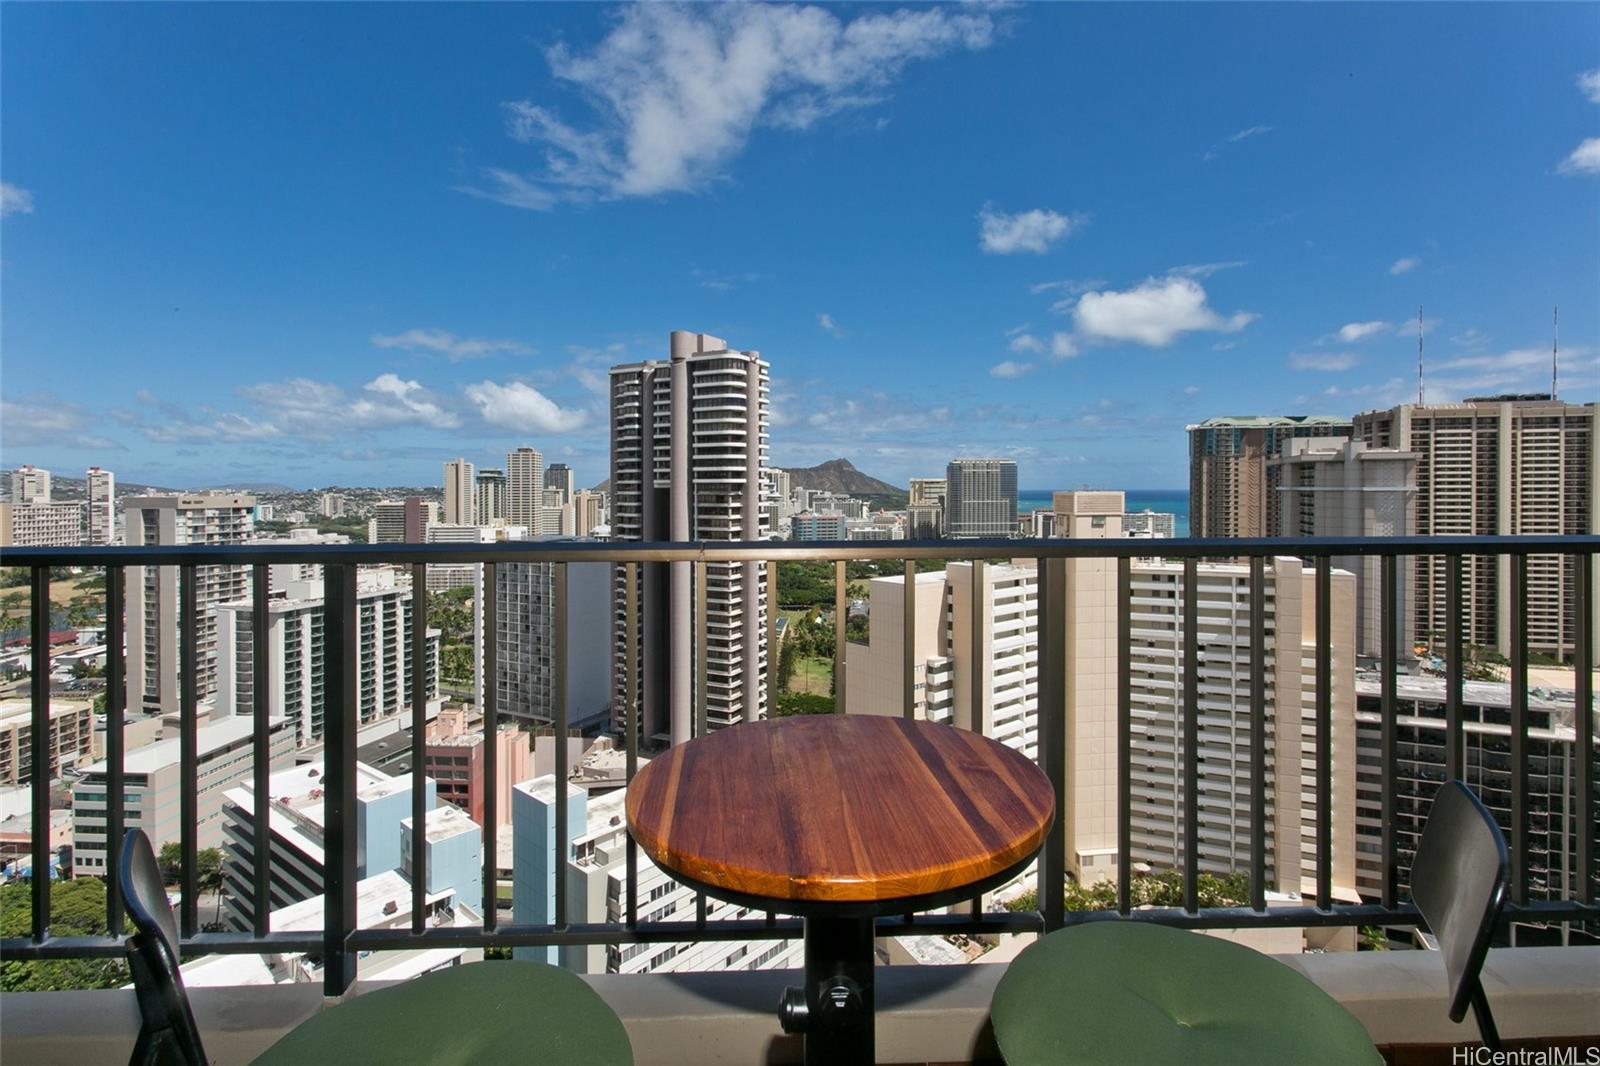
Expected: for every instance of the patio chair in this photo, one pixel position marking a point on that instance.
(1112, 991)
(478, 1012)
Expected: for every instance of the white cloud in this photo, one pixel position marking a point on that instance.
(15, 200)
(1234, 138)
(677, 89)
(1323, 360)
(1191, 390)
(1403, 264)
(1205, 270)
(1585, 159)
(448, 344)
(1351, 332)
(1026, 342)
(828, 325)
(392, 400)
(319, 410)
(1249, 131)
(1068, 287)
(44, 420)
(1026, 231)
(523, 408)
(1589, 85)
(1063, 346)
(1155, 313)
(1010, 369)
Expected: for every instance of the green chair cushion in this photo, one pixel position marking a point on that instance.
(494, 1012)
(1135, 992)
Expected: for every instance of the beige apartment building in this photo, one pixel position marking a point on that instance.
(1232, 486)
(979, 652)
(153, 591)
(1334, 487)
(71, 738)
(1497, 465)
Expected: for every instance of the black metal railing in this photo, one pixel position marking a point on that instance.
(340, 940)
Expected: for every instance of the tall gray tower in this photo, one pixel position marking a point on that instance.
(688, 462)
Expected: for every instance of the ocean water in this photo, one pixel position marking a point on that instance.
(1172, 501)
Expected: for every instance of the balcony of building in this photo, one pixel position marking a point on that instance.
(1542, 978)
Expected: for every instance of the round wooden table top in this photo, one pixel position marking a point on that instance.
(846, 809)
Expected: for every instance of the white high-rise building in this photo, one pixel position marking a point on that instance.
(100, 522)
(401, 521)
(555, 515)
(332, 505)
(588, 512)
(460, 508)
(525, 621)
(297, 649)
(688, 462)
(153, 600)
(443, 576)
(524, 488)
(28, 485)
(42, 525)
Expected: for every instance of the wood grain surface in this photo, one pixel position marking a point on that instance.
(831, 808)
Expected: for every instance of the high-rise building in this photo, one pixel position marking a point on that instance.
(153, 783)
(688, 461)
(1148, 523)
(1487, 768)
(927, 490)
(969, 615)
(100, 514)
(810, 525)
(525, 619)
(153, 600)
(402, 521)
(559, 476)
(41, 524)
(1335, 487)
(491, 496)
(332, 505)
(297, 654)
(925, 521)
(981, 498)
(443, 576)
(524, 488)
(29, 484)
(71, 740)
(1232, 486)
(555, 514)
(1504, 465)
(459, 505)
(588, 511)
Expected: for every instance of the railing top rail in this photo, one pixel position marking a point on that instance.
(579, 551)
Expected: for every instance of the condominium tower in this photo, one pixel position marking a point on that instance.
(1335, 487)
(688, 462)
(491, 497)
(153, 591)
(100, 517)
(459, 492)
(981, 498)
(1498, 465)
(1232, 486)
(524, 488)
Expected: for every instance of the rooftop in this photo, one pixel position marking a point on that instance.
(209, 739)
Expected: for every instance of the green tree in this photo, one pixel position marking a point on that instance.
(77, 908)
(785, 665)
(789, 704)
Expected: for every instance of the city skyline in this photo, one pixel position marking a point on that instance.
(1258, 249)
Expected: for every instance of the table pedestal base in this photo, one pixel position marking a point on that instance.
(834, 1009)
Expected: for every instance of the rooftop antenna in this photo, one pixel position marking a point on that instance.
(1419, 355)
(1555, 346)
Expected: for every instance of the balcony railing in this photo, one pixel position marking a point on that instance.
(340, 941)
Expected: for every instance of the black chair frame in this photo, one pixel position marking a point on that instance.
(168, 1035)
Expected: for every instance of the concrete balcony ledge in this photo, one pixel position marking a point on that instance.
(926, 1013)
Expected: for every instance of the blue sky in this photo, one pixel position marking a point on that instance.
(326, 244)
